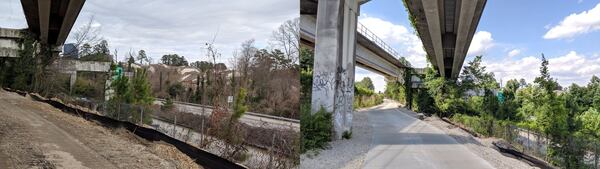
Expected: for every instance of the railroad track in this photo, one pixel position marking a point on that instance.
(282, 120)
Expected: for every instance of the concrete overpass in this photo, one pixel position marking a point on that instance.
(9, 46)
(50, 22)
(446, 28)
(331, 27)
(71, 67)
(371, 52)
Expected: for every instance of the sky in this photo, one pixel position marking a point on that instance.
(511, 37)
(183, 27)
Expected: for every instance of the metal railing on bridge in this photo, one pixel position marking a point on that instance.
(379, 42)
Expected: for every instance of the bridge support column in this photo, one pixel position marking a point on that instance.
(333, 74)
(72, 80)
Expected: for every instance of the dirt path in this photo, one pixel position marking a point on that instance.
(36, 135)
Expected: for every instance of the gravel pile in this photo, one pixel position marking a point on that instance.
(347, 154)
(480, 146)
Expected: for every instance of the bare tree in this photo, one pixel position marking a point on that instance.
(87, 34)
(116, 56)
(287, 37)
(245, 59)
(217, 82)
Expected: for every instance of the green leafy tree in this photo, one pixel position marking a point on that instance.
(102, 48)
(590, 121)
(176, 90)
(544, 80)
(167, 105)
(98, 52)
(475, 77)
(511, 89)
(140, 89)
(203, 66)
(366, 83)
(142, 57)
(239, 106)
(395, 90)
(306, 59)
(122, 94)
(306, 65)
(174, 60)
(130, 61)
(593, 93)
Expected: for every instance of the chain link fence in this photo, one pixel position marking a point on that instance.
(266, 147)
(533, 143)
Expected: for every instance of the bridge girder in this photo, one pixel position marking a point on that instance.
(51, 20)
(446, 28)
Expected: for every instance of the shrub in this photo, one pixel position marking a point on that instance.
(347, 135)
(316, 129)
(485, 125)
(425, 103)
(364, 97)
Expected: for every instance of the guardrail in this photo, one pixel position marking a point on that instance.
(360, 28)
(249, 113)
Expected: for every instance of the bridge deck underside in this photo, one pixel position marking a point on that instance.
(368, 54)
(446, 28)
(52, 20)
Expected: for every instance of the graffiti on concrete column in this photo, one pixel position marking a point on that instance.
(323, 81)
(323, 89)
(344, 100)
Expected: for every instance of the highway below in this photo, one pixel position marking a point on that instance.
(253, 119)
(402, 141)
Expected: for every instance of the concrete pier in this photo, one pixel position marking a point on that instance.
(333, 74)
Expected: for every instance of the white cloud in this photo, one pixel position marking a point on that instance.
(12, 15)
(182, 27)
(481, 43)
(514, 52)
(567, 69)
(405, 42)
(576, 24)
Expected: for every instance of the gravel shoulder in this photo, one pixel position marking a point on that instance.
(37, 135)
(345, 154)
(481, 147)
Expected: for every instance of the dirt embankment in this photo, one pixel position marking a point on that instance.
(36, 135)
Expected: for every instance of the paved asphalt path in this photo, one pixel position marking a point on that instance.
(402, 141)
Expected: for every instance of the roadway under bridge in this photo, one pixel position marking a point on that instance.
(340, 43)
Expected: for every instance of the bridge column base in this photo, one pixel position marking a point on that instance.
(333, 74)
(72, 80)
